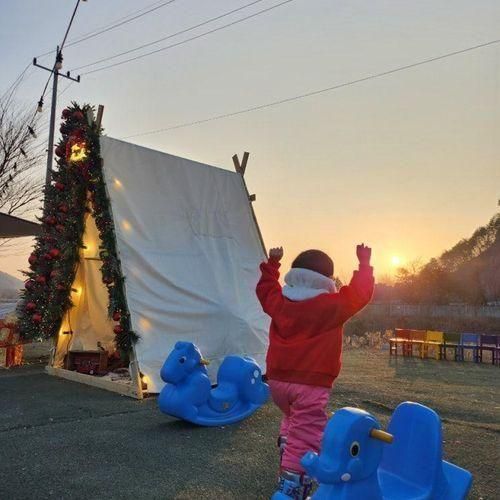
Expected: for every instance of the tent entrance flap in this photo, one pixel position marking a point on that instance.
(86, 326)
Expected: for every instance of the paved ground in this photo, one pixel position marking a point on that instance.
(63, 440)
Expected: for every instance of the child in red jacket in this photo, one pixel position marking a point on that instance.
(305, 348)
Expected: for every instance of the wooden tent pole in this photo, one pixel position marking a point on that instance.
(240, 169)
(100, 111)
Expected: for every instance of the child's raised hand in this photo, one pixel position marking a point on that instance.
(364, 254)
(276, 253)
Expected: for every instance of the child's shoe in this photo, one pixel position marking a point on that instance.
(292, 486)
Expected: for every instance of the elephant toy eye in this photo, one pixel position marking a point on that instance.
(182, 360)
(354, 449)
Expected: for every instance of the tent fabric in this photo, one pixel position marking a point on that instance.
(190, 253)
(88, 319)
(14, 227)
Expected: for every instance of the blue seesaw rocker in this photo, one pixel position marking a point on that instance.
(360, 461)
(189, 395)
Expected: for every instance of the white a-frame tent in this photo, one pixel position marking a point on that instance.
(189, 248)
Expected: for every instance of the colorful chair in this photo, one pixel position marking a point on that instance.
(489, 343)
(417, 338)
(434, 340)
(401, 337)
(450, 341)
(468, 341)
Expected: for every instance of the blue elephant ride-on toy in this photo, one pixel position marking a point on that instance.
(188, 393)
(360, 461)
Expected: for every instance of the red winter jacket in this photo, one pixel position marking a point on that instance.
(305, 339)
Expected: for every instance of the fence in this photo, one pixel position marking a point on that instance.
(455, 311)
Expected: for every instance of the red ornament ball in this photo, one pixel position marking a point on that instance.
(50, 220)
(118, 329)
(47, 256)
(54, 274)
(30, 306)
(59, 186)
(60, 287)
(64, 129)
(28, 284)
(60, 228)
(41, 279)
(78, 115)
(37, 317)
(55, 253)
(60, 151)
(117, 316)
(66, 113)
(32, 259)
(63, 208)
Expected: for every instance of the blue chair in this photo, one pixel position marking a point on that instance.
(468, 341)
(412, 467)
(360, 461)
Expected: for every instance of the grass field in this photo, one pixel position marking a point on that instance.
(466, 395)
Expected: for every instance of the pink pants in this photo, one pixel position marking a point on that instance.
(304, 419)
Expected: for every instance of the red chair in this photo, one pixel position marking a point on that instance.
(401, 337)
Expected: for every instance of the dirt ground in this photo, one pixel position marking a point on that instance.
(63, 440)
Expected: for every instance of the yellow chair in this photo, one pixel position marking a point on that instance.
(435, 340)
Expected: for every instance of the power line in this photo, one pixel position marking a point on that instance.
(317, 92)
(120, 22)
(190, 39)
(186, 30)
(59, 55)
(69, 25)
(15, 84)
(59, 94)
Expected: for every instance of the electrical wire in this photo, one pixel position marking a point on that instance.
(59, 52)
(189, 39)
(15, 84)
(186, 30)
(71, 82)
(120, 22)
(317, 92)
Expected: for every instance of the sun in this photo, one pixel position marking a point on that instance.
(396, 260)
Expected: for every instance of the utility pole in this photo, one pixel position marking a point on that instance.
(55, 76)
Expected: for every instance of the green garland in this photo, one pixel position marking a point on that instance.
(78, 187)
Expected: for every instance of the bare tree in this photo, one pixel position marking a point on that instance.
(21, 157)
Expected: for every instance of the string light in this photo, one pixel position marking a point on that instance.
(32, 132)
(40, 105)
(78, 152)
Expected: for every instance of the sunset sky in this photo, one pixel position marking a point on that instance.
(408, 163)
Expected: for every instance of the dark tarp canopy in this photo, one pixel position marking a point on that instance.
(14, 227)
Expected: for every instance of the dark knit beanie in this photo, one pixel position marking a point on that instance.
(315, 260)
